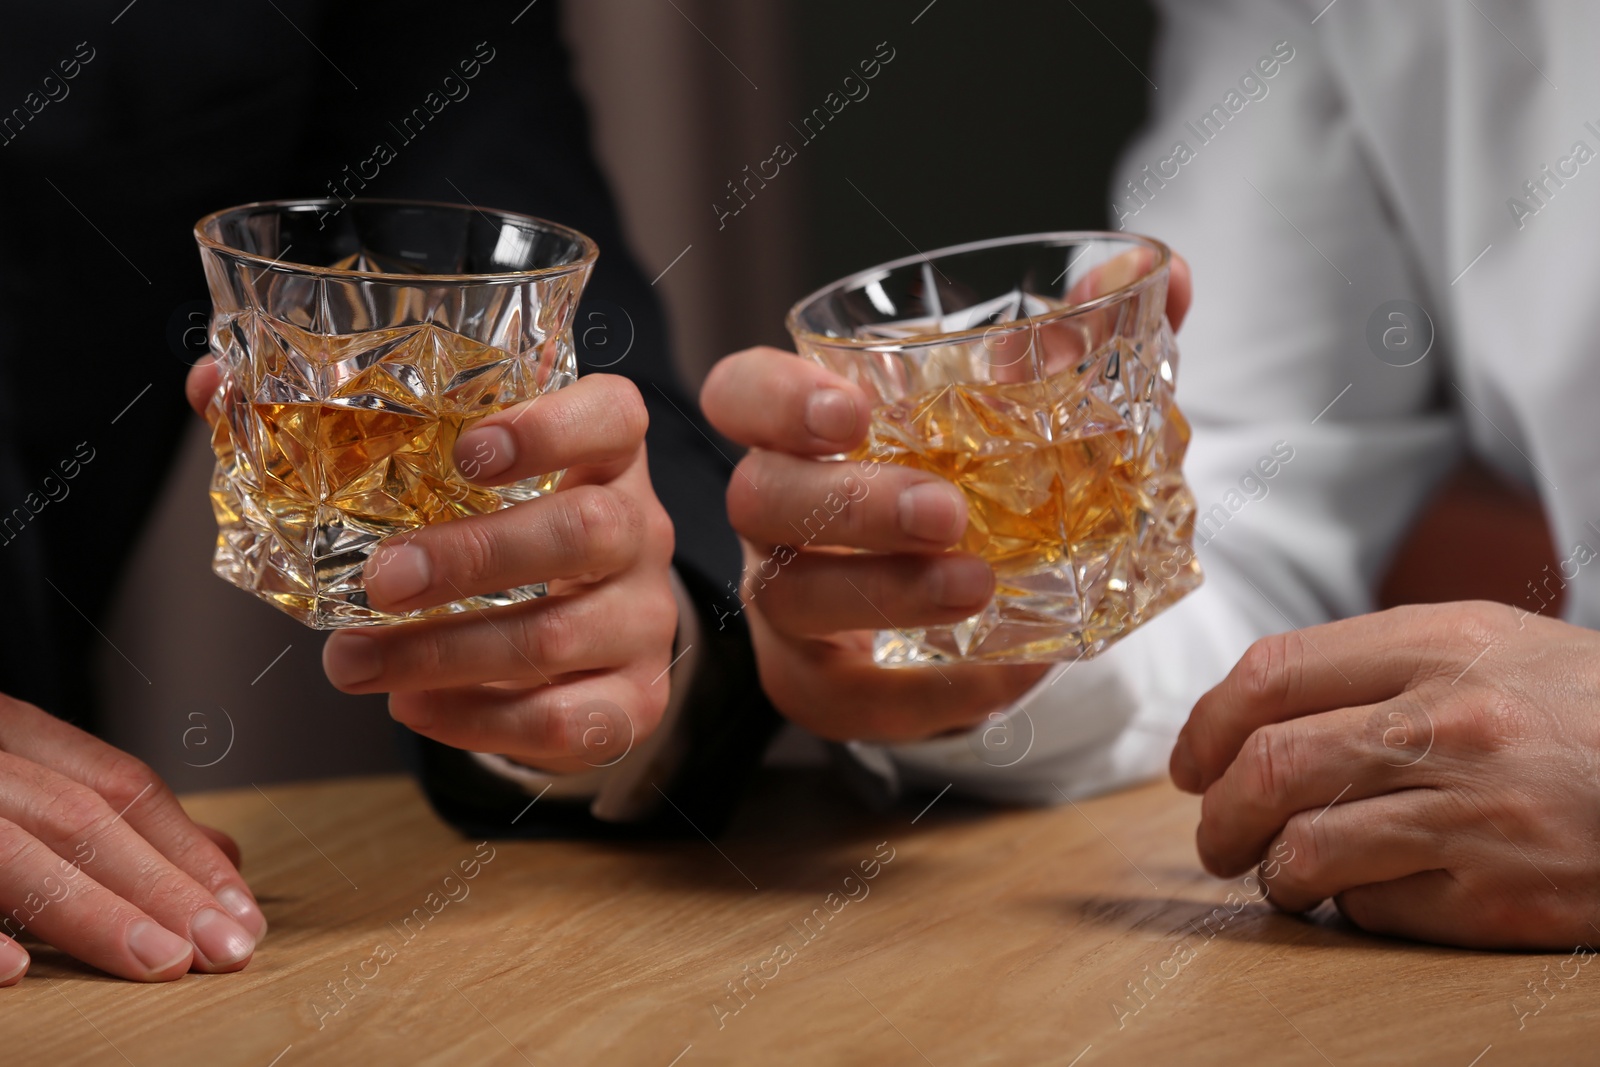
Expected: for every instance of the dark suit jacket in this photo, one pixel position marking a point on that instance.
(120, 126)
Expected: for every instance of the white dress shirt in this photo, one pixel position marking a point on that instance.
(1317, 163)
(1388, 157)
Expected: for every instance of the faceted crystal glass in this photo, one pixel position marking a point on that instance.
(357, 341)
(1036, 373)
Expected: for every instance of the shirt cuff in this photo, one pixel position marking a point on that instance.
(622, 791)
(1087, 726)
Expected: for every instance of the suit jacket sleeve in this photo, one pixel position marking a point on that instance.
(515, 136)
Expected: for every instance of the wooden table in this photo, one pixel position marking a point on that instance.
(984, 936)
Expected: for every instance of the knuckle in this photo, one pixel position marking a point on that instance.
(628, 406)
(1451, 636)
(858, 524)
(598, 522)
(1482, 621)
(17, 846)
(474, 550)
(1491, 720)
(561, 727)
(1405, 729)
(159, 881)
(1261, 676)
(660, 618)
(123, 779)
(642, 711)
(193, 851)
(553, 637)
(1270, 764)
(603, 730)
(76, 813)
(660, 532)
(425, 656)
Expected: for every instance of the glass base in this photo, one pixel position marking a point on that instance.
(1035, 626)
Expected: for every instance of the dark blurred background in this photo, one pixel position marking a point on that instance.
(991, 118)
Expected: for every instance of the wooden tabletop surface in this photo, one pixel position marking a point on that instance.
(982, 936)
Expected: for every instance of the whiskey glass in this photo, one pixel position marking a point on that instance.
(357, 340)
(1037, 374)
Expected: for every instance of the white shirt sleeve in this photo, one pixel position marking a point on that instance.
(1294, 248)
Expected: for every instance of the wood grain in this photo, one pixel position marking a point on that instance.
(1009, 937)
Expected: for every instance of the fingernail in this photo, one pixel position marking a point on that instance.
(220, 941)
(351, 659)
(398, 573)
(961, 582)
(831, 415)
(158, 948)
(485, 451)
(247, 911)
(933, 511)
(13, 960)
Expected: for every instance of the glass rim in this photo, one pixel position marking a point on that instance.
(1162, 262)
(589, 251)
